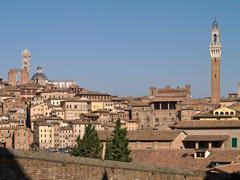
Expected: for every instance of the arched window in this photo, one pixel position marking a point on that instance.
(216, 113)
(215, 38)
(221, 113)
(227, 113)
(232, 113)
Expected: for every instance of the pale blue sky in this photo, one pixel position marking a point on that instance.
(122, 47)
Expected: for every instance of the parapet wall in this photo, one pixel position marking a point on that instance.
(39, 165)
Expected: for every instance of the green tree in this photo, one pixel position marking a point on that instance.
(117, 146)
(90, 145)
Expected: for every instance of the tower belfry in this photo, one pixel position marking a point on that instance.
(26, 60)
(215, 54)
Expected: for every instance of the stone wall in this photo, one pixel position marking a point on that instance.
(39, 165)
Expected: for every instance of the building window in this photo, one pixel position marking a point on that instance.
(234, 142)
(216, 144)
(200, 154)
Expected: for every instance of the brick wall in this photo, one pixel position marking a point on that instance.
(34, 165)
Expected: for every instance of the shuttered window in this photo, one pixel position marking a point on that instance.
(234, 142)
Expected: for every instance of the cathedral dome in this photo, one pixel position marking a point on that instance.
(39, 75)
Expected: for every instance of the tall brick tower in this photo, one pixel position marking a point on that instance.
(26, 60)
(215, 54)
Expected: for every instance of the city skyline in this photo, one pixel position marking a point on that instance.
(122, 48)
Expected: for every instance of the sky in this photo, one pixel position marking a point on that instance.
(123, 47)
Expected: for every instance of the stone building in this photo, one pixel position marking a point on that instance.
(55, 93)
(164, 103)
(11, 103)
(58, 133)
(16, 138)
(94, 96)
(222, 113)
(66, 137)
(132, 125)
(74, 107)
(40, 110)
(23, 138)
(142, 140)
(142, 112)
(44, 134)
(188, 108)
(102, 104)
(230, 129)
(63, 84)
(21, 76)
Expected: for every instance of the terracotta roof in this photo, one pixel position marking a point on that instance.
(141, 135)
(235, 106)
(93, 93)
(90, 115)
(49, 118)
(5, 122)
(210, 115)
(53, 118)
(81, 122)
(76, 100)
(228, 168)
(44, 123)
(207, 124)
(41, 123)
(206, 138)
(9, 128)
(101, 111)
(54, 90)
(65, 128)
(182, 159)
(227, 100)
(168, 98)
(132, 120)
(140, 104)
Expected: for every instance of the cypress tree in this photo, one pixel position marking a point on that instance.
(89, 146)
(117, 147)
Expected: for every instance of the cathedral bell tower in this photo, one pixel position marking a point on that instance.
(26, 60)
(215, 54)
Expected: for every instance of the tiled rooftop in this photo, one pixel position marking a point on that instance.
(206, 138)
(140, 135)
(206, 124)
(182, 159)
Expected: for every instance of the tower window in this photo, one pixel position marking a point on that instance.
(215, 38)
(215, 75)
